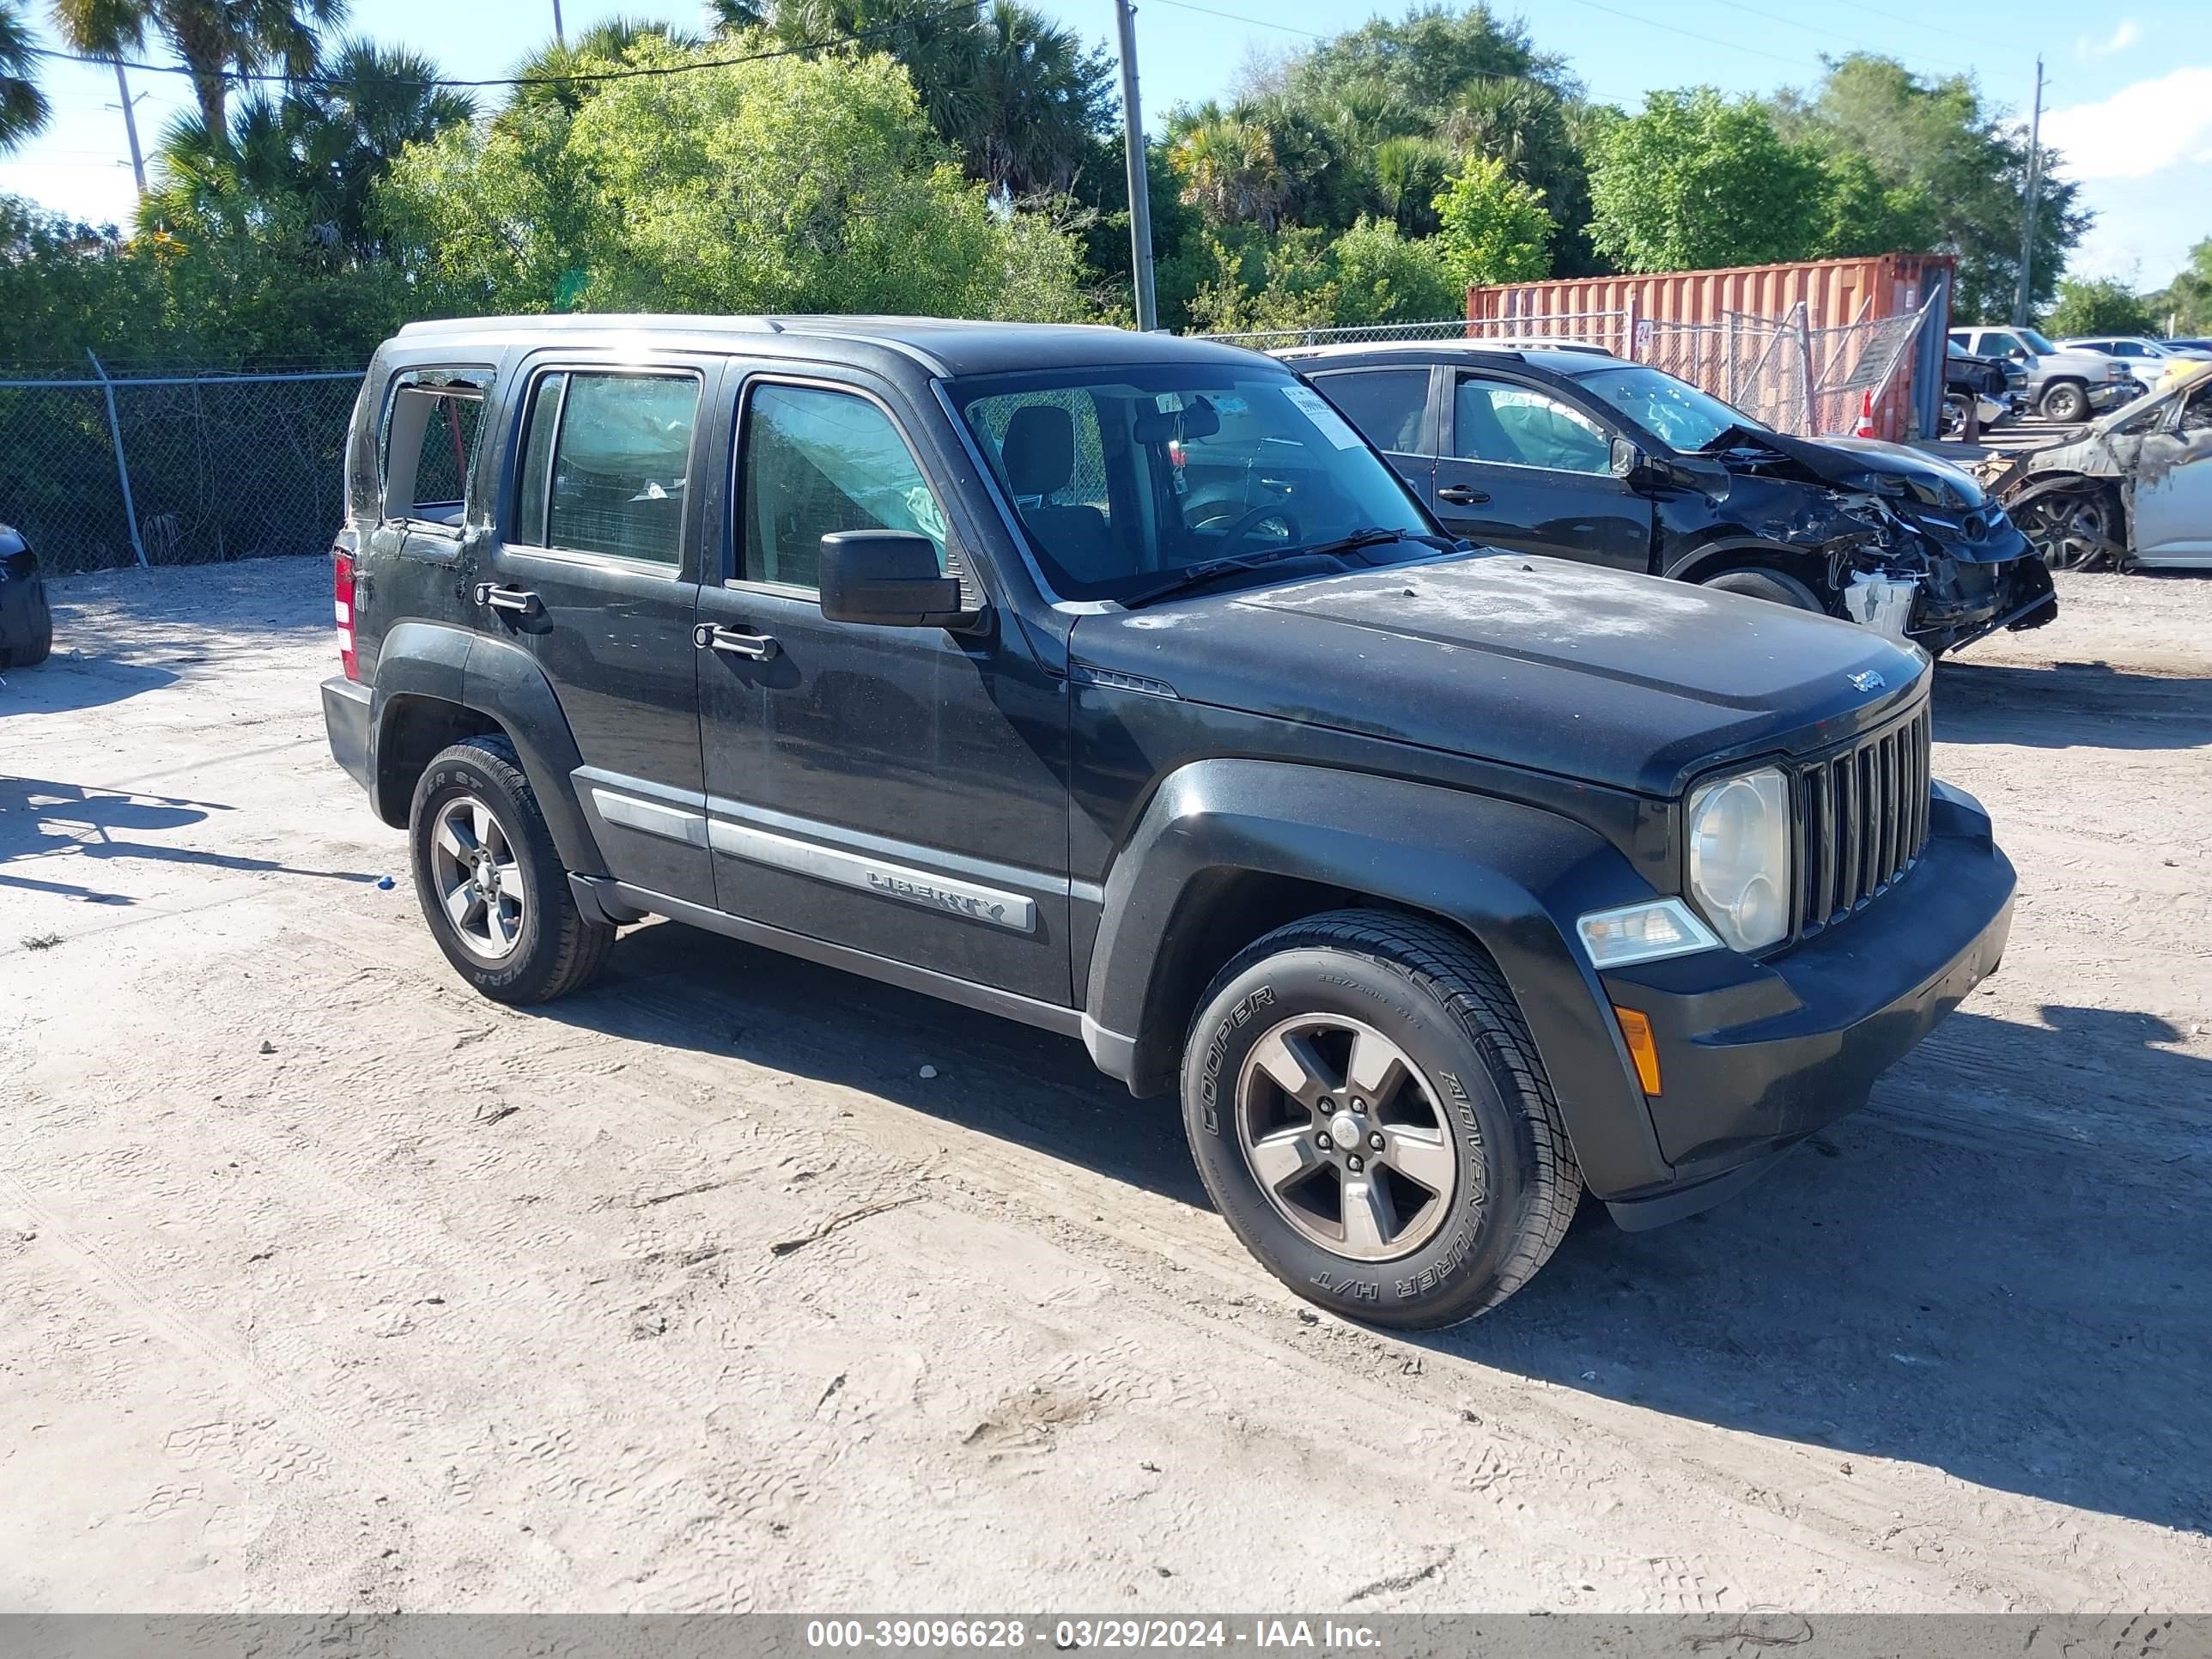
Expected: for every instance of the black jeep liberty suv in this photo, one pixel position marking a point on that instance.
(1112, 683)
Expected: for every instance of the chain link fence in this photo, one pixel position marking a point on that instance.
(173, 469)
(1809, 382)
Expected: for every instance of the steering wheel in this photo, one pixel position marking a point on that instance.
(1258, 516)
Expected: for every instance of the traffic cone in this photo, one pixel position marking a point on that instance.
(1865, 428)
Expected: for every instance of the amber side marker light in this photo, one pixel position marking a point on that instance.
(1638, 1030)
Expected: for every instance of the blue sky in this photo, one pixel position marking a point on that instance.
(2130, 97)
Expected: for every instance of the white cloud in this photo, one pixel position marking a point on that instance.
(2139, 131)
(2119, 40)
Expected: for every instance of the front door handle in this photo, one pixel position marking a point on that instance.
(708, 636)
(1462, 495)
(519, 600)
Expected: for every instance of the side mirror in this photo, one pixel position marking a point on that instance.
(1627, 459)
(887, 577)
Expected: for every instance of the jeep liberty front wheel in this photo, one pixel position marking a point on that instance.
(491, 884)
(1369, 1114)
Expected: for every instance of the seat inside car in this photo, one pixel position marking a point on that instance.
(1038, 453)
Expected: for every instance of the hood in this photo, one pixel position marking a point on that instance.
(1865, 463)
(1628, 681)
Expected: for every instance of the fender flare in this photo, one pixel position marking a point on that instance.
(1511, 875)
(504, 684)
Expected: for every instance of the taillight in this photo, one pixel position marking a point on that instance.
(342, 591)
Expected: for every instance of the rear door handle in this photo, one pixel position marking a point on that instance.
(518, 600)
(708, 636)
(1462, 495)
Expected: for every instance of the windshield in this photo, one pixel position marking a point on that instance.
(2036, 343)
(1120, 476)
(1672, 410)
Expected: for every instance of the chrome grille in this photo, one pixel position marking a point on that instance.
(1861, 820)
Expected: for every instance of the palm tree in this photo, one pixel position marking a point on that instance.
(1040, 102)
(598, 49)
(1228, 169)
(317, 150)
(23, 107)
(212, 38)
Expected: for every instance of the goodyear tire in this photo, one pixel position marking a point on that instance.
(1369, 1113)
(491, 884)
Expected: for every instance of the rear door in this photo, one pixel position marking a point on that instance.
(1390, 407)
(899, 791)
(2173, 514)
(595, 573)
(1522, 467)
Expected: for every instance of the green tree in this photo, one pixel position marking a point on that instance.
(1538, 133)
(1026, 102)
(1424, 61)
(2185, 304)
(1494, 228)
(1967, 163)
(23, 109)
(1384, 277)
(790, 184)
(211, 38)
(2097, 307)
(1861, 212)
(1282, 283)
(1698, 180)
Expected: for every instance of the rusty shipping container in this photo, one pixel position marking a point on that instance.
(1622, 312)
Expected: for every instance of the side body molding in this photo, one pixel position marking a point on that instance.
(1511, 875)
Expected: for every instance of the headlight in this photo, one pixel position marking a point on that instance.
(1739, 835)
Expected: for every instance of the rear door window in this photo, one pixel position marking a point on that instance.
(606, 464)
(1386, 404)
(431, 419)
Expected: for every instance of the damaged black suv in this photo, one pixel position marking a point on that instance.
(1111, 682)
(1578, 454)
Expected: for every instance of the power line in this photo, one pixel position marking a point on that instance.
(1238, 17)
(1813, 28)
(1691, 35)
(634, 72)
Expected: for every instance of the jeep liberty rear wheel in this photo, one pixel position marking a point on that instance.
(1369, 1113)
(491, 884)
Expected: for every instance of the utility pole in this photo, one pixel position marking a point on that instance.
(2034, 187)
(131, 127)
(559, 39)
(1140, 197)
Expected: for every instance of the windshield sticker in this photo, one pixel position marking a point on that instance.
(1308, 403)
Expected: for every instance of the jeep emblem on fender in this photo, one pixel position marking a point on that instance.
(1867, 680)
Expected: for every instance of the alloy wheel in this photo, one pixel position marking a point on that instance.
(1346, 1137)
(473, 862)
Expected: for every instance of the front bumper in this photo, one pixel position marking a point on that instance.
(345, 717)
(1754, 1056)
(2113, 393)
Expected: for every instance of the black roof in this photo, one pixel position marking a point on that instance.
(942, 345)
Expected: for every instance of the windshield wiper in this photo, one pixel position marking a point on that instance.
(1198, 575)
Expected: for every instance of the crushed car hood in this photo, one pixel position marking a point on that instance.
(1623, 680)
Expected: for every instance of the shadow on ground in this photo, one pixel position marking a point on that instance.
(2068, 705)
(2031, 1321)
(48, 829)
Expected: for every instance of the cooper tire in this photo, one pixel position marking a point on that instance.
(2066, 402)
(1443, 1007)
(1764, 583)
(550, 948)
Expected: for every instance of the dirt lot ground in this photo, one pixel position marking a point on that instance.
(324, 1283)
